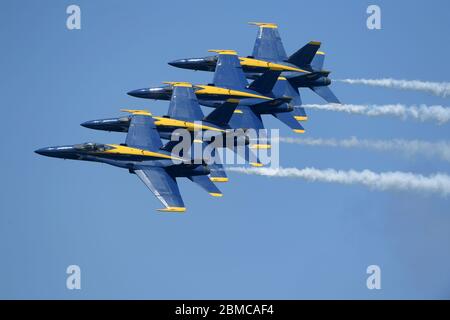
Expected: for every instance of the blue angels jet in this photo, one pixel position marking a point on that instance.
(302, 69)
(185, 113)
(229, 74)
(144, 155)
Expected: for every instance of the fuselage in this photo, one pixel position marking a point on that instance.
(253, 68)
(281, 89)
(112, 154)
(127, 158)
(164, 125)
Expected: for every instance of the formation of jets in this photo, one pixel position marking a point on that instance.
(238, 105)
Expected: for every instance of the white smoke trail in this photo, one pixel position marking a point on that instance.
(441, 89)
(436, 183)
(440, 149)
(423, 112)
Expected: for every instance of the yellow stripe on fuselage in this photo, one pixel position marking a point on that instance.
(249, 62)
(211, 90)
(192, 126)
(224, 51)
(123, 150)
(179, 84)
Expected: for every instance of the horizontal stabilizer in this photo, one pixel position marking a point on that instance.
(300, 114)
(246, 119)
(326, 94)
(288, 118)
(217, 171)
(206, 184)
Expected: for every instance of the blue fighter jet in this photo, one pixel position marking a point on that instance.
(143, 154)
(303, 69)
(185, 113)
(229, 74)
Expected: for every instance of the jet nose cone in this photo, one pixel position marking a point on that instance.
(177, 63)
(88, 124)
(139, 93)
(43, 151)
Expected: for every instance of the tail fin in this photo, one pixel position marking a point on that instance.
(326, 93)
(222, 115)
(183, 103)
(318, 61)
(303, 57)
(229, 73)
(265, 83)
(207, 185)
(268, 44)
(142, 132)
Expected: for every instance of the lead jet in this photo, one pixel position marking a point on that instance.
(229, 74)
(143, 154)
(302, 69)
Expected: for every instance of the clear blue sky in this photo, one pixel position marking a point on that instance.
(267, 237)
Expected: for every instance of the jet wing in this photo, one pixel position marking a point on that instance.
(184, 104)
(164, 187)
(142, 131)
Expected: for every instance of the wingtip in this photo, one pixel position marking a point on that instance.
(223, 51)
(215, 194)
(264, 24)
(256, 164)
(218, 179)
(260, 146)
(172, 209)
(137, 112)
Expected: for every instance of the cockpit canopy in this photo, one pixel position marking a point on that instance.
(92, 146)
